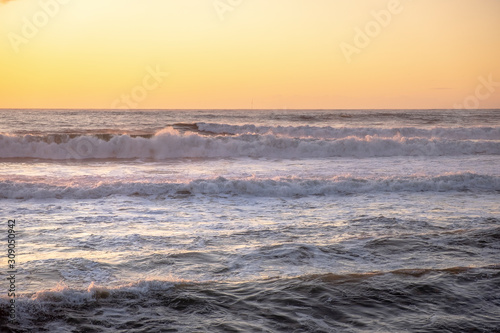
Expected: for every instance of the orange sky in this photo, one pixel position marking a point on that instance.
(226, 53)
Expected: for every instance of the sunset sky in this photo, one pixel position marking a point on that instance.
(280, 54)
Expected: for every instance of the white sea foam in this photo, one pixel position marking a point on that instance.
(328, 132)
(253, 187)
(169, 143)
(63, 294)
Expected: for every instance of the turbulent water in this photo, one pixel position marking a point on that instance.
(252, 221)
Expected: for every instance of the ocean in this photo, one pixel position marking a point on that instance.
(250, 220)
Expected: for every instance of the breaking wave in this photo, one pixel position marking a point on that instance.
(459, 133)
(226, 141)
(36, 189)
(311, 303)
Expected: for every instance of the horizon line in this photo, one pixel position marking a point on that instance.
(246, 109)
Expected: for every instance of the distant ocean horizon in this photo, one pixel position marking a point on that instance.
(266, 220)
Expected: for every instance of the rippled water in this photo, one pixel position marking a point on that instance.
(253, 221)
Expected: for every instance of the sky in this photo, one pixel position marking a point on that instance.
(265, 54)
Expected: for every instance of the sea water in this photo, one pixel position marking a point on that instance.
(252, 220)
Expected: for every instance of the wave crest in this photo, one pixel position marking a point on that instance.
(171, 143)
(328, 132)
(30, 189)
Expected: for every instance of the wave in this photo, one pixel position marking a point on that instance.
(395, 300)
(172, 143)
(458, 133)
(303, 132)
(65, 294)
(35, 189)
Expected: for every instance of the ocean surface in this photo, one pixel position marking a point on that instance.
(252, 221)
